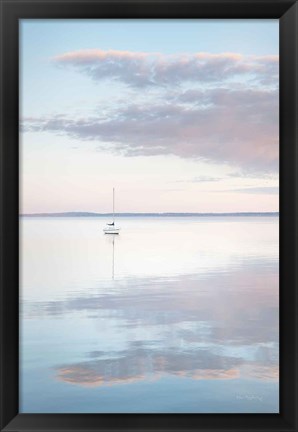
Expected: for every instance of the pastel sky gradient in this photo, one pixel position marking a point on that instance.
(177, 115)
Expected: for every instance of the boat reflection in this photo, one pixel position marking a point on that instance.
(111, 239)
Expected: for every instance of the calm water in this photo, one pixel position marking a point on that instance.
(173, 315)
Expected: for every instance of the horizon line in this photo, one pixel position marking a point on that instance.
(126, 214)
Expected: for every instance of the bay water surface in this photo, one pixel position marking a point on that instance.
(174, 315)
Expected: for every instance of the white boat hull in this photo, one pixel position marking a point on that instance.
(111, 230)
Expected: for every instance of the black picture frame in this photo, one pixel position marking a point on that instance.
(13, 10)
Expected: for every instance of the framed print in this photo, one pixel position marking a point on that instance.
(148, 253)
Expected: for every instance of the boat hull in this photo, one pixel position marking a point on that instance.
(111, 230)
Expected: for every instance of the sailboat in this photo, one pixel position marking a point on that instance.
(111, 228)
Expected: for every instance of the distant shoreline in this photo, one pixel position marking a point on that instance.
(91, 214)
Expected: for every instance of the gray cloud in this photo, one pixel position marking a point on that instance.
(251, 175)
(203, 179)
(150, 69)
(233, 120)
(239, 127)
(266, 190)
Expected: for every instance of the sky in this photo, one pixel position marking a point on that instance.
(177, 115)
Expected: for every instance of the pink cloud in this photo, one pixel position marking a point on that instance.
(239, 127)
(228, 114)
(146, 69)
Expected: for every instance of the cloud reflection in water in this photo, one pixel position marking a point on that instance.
(220, 326)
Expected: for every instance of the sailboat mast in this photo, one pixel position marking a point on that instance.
(113, 205)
